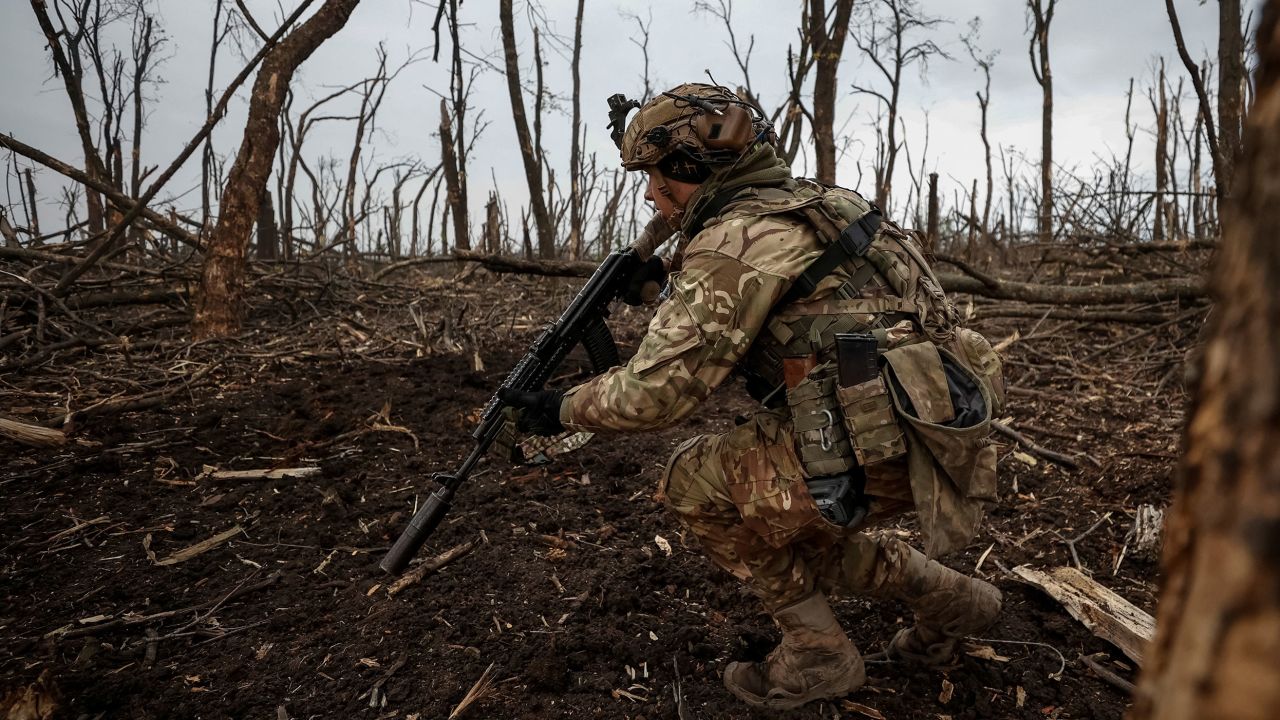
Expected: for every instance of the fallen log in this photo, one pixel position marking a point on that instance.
(1108, 615)
(31, 435)
(984, 285)
(549, 268)
(263, 474)
(1122, 293)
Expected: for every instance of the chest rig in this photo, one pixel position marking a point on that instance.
(870, 278)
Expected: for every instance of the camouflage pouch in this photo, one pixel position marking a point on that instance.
(820, 438)
(870, 422)
(978, 354)
(949, 410)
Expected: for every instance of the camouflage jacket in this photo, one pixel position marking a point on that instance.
(721, 302)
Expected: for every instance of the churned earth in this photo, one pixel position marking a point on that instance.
(582, 597)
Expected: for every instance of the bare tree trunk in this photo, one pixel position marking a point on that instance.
(532, 170)
(1230, 88)
(575, 151)
(1198, 80)
(452, 182)
(1161, 108)
(828, 45)
(206, 156)
(268, 234)
(1042, 18)
(68, 66)
(374, 90)
(492, 226)
(33, 215)
(218, 310)
(1217, 649)
(931, 224)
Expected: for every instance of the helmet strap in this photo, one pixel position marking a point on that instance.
(678, 208)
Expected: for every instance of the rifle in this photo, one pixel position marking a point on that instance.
(582, 322)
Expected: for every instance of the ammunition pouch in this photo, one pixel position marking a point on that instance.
(822, 444)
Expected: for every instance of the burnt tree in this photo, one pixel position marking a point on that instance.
(1217, 649)
(528, 153)
(1230, 88)
(218, 308)
(827, 42)
(1039, 21)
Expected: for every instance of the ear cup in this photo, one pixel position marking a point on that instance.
(729, 131)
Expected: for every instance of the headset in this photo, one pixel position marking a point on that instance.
(726, 127)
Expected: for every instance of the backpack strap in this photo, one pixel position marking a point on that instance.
(852, 242)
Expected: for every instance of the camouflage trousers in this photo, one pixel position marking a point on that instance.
(742, 494)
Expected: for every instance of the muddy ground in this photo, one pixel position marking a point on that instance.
(569, 597)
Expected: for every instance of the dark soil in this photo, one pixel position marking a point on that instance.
(291, 617)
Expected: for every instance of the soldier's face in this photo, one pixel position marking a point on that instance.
(677, 193)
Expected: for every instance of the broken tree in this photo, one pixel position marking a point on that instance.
(218, 306)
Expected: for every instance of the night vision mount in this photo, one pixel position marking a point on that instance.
(619, 106)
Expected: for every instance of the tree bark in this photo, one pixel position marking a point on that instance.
(1230, 88)
(1042, 18)
(453, 183)
(69, 67)
(575, 150)
(268, 234)
(828, 45)
(1162, 156)
(1217, 649)
(931, 224)
(532, 169)
(218, 310)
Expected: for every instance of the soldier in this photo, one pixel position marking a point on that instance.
(757, 289)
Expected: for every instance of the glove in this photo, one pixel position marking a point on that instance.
(647, 282)
(537, 412)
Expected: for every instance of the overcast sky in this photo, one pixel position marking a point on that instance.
(1096, 45)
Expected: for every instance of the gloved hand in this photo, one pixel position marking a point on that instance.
(537, 412)
(647, 282)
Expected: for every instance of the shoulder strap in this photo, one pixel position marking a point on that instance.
(852, 242)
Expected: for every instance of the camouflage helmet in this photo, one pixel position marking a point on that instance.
(708, 123)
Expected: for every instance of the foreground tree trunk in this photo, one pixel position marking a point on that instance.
(218, 310)
(1217, 650)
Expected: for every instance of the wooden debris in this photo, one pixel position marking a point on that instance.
(263, 474)
(1050, 455)
(1147, 526)
(1108, 615)
(861, 709)
(31, 435)
(37, 701)
(426, 568)
(201, 547)
(77, 528)
(1091, 662)
(476, 693)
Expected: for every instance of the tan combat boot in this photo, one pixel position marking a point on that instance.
(814, 661)
(947, 605)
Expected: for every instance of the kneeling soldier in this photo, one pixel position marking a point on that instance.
(876, 401)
